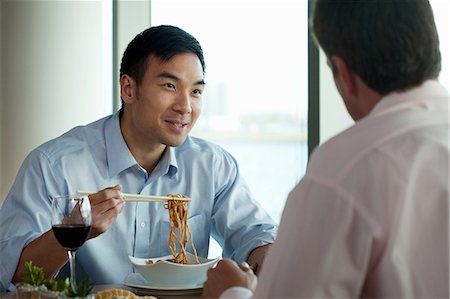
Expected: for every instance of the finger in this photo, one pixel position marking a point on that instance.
(117, 187)
(105, 195)
(111, 205)
(221, 266)
(112, 212)
(113, 192)
(102, 221)
(220, 262)
(245, 266)
(227, 263)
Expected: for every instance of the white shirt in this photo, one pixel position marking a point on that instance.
(371, 217)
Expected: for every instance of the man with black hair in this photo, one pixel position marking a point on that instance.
(144, 149)
(370, 219)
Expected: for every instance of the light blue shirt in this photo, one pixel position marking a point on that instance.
(94, 157)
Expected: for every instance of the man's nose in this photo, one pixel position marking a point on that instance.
(183, 103)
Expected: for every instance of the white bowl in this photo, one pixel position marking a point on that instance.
(167, 274)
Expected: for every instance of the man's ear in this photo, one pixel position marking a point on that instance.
(344, 75)
(127, 88)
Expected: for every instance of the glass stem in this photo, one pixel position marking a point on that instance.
(71, 255)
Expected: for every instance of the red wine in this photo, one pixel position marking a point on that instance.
(72, 236)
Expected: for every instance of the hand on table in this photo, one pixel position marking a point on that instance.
(228, 274)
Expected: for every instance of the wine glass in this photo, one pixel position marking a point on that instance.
(71, 224)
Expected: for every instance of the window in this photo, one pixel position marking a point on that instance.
(256, 99)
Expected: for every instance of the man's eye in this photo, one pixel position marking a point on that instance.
(170, 85)
(198, 91)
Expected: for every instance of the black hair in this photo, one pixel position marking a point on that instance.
(392, 45)
(164, 42)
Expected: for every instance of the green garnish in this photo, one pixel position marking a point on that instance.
(34, 275)
(54, 285)
(83, 289)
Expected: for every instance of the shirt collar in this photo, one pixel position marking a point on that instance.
(168, 163)
(120, 158)
(118, 155)
(429, 94)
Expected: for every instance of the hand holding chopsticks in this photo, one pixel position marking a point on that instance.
(141, 198)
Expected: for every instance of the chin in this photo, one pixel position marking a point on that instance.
(175, 143)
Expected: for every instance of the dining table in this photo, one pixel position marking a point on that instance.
(98, 288)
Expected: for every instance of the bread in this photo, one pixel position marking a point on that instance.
(119, 294)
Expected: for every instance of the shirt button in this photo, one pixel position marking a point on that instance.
(142, 224)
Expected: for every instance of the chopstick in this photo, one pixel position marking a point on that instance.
(141, 198)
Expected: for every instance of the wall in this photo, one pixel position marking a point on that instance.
(132, 17)
(53, 73)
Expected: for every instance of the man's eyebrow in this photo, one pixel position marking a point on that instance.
(168, 75)
(200, 82)
(172, 76)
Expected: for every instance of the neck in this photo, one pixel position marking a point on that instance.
(147, 154)
(366, 98)
(147, 159)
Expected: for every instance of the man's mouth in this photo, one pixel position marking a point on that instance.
(177, 123)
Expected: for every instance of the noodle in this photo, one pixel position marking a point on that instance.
(179, 229)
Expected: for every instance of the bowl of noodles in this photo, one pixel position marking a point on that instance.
(181, 268)
(164, 272)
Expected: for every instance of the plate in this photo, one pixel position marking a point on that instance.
(144, 287)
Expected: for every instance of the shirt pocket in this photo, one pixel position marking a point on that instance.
(200, 230)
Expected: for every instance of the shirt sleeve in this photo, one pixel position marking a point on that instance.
(236, 293)
(322, 250)
(240, 224)
(25, 213)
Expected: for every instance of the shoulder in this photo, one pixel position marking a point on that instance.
(354, 149)
(73, 141)
(335, 154)
(198, 144)
(198, 149)
(202, 147)
(376, 144)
